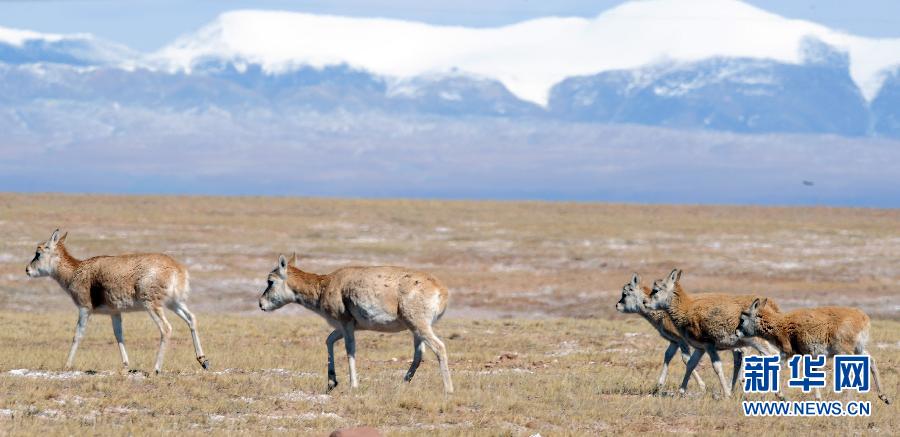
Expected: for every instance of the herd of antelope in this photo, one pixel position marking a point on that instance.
(395, 299)
(385, 299)
(710, 323)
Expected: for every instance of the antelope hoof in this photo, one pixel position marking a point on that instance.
(884, 398)
(332, 383)
(656, 391)
(203, 362)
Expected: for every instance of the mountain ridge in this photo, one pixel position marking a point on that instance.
(800, 77)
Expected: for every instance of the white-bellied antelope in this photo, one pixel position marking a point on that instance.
(707, 322)
(350, 299)
(825, 331)
(116, 284)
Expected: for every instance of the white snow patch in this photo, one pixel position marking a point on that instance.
(51, 414)
(527, 57)
(197, 265)
(626, 350)
(567, 347)
(452, 96)
(40, 374)
(283, 372)
(296, 396)
(137, 375)
(366, 239)
(498, 371)
(124, 410)
(419, 427)
(304, 416)
(888, 345)
(311, 416)
(17, 37)
(513, 267)
(76, 400)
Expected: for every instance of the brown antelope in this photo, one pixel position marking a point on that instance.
(825, 331)
(384, 299)
(707, 322)
(632, 302)
(116, 284)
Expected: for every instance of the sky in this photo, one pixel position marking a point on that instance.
(147, 25)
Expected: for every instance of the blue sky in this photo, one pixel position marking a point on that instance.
(149, 24)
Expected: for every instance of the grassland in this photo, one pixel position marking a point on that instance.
(535, 343)
(558, 376)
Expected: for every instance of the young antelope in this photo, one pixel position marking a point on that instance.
(825, 331)
(350, 299)
(116, 284)
(632, 302)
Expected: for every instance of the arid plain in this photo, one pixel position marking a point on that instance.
(535, 343)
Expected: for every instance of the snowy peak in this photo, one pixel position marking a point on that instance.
(18, 37)
(28, 47)
(686, 64)
(530, 57)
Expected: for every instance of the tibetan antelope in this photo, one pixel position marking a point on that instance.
(707, 322)
(116, 284)
(632, 302)
(826, 331)
(350, 299)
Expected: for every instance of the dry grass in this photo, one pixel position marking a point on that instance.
(522, 259)
(536, 280)
(556, 377)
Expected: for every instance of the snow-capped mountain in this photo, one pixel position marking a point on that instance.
(630, 105)
(529, 58)
(733, 94)
(27, 47)
(696, 64)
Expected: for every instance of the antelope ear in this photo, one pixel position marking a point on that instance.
(762, 304)
(292, 261)
(635, 279)
(675, 276)
(63, 238)
(54, 237)
(282, 266)
(754, 307)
